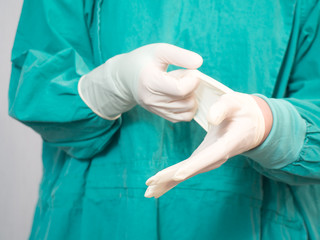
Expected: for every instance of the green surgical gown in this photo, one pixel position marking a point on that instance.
(94, 170)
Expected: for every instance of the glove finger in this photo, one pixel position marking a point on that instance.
(158, 190)
(164, 175)
(211, 157)
(170, 54)
(185, 116)
(173, 105)
(169, 85)
(162, 112)
(165, 189)
(188, 104)
(182, 117)
(149, 192)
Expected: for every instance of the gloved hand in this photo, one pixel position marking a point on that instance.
(140, 77)
(238, 125)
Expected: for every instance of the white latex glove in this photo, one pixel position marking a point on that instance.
(140, 77)
(237, 126)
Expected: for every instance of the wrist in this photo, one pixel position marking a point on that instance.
(280, 148)
(267, 115)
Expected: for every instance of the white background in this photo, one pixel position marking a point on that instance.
(20, 147)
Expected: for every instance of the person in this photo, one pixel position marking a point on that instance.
(95, 165)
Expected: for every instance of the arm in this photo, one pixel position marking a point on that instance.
(295, 134)
(52, 50)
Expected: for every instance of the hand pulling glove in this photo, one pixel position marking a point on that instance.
(140, 77)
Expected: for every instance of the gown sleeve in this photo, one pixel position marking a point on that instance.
(52, 50)
(291, 152)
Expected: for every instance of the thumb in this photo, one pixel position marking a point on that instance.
(222, 109)
(170, 54)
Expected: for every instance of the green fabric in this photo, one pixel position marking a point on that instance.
(94, 170)
(287, 122)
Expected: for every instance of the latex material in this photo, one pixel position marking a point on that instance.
(140, 77)
(94, 170)
(207, 93)
(238, 126)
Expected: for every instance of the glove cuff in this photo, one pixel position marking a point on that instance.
(84, 95)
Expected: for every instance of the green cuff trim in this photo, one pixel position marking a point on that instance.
(286, 138)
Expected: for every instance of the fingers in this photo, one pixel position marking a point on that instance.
(149, 192)
(170, 95)
(177, 111)
(159, 190)
(206, 159)
(165, 175)
(183, 106)
(162, 182)
(174, 117)
(171, 108)
(170, 54)
(176, 84)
